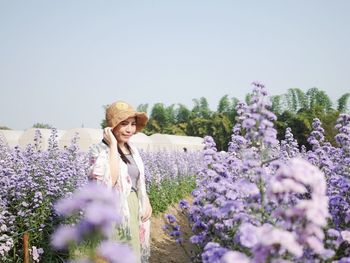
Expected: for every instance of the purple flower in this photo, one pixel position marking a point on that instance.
(248, 237)
(196, 239)
(234, 256)
(101, 212)
(171, 218)
(64, 236)
(183, 204)
(175, 233)
(98, 214)
(115, 252)
(213, 253)
(346, 235)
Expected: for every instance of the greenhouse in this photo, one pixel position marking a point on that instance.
(27, 137)
(87, 137)
(11, 137)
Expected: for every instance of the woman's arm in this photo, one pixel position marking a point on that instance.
(114, 158)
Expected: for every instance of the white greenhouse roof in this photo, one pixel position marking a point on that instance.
(141, 141)
(28, 137)
(87, 137)
(175, 142)
(11, 137)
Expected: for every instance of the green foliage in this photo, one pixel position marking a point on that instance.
(296, 99)
(224, 105)
(228, 107)
(318, 98)
(201, 108)
(248, 98)
(5, 128)
(182, 114)
(220, 129)
(142, 108)
(301, 124)
(199, 121)
(342, 102)
(198, 127)
(297, 109)
(42, 126)
(161, 117)
(169, 192)
(103, 123)
(276, 106)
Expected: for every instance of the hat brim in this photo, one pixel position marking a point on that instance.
(141, 120)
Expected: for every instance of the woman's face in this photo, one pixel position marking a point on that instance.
(125, 130)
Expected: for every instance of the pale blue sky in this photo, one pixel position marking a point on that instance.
(60, 61)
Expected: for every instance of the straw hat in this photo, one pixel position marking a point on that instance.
(120, 111)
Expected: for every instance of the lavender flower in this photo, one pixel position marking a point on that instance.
(261, 199)
(36, 252)
(234, 256)
(64, 237)
(115, 252)
(31, 181)
(101, 212)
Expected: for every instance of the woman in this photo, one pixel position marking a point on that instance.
(116, 163)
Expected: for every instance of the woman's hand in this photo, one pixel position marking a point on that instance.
(112, 143)
(109, 137)
(147, 211)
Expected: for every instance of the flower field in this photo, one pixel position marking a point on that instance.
(33, 181)
(263, 200)
(271, 201)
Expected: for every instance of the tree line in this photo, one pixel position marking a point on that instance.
(295, 109)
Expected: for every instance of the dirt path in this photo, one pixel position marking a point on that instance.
(163, 248)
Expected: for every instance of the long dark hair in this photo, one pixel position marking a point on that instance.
(122, 155)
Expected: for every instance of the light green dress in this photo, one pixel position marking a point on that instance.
(133, 202)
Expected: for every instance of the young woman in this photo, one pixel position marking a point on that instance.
(116, 163)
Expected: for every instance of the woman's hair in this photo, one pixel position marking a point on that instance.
(122, 155)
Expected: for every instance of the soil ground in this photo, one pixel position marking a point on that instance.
(163, 248)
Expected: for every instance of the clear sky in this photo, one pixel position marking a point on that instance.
(61, 61)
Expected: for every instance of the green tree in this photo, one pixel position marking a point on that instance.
(318, 99)
(301, 126)
(276, 106)
(182, 114)
(224, 105)
(227, 107)
(103, 122)
(142, 108)
(160, 119)
(295, 100)
(42, 126)
(220, 128)
(201, 108)
(198, 127)
(342, 102)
